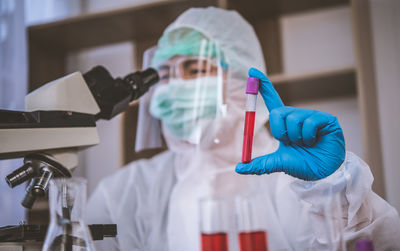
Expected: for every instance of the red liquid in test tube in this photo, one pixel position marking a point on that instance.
(253, 241)
(248, 136)
(251, 103)
(214, 242)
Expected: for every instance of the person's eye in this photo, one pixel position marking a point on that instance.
(197, 71)
(194, 72)
(165, 76)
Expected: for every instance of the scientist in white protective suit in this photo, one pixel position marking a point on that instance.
(313, 195)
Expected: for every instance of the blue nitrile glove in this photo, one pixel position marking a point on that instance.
(311, 142)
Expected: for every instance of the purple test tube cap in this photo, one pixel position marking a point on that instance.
(364, 245)
(252, 85)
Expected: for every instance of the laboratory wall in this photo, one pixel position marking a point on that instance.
(317, 40)
(13, 88)
(101, 5)
(50, 10)
(105, 158)
(322, 40)
(385, 21)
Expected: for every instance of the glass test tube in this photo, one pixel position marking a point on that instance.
(252, 234)
(251, 103)
(214, 225)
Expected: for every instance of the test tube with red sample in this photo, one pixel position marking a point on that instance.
(253, 241)
(251, 222)
(251, 103)
(214, 225)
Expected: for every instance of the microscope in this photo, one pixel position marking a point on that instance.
(60, 120)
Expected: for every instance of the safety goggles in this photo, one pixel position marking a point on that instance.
(187, 68)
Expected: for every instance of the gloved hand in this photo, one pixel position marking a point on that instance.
(311, 142)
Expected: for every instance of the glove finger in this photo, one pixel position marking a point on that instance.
(269, 163)
(312, 124)
(278, 125)
(294, 124)
(271, 97)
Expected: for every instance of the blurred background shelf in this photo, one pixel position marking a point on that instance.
(49, 43)
(279, 79)
(316, 85)
(107, 27)
(254, 9)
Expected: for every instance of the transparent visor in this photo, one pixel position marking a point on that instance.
(190, 95)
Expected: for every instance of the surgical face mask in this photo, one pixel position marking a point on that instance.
(184, 106)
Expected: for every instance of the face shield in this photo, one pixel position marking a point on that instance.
(191, 94)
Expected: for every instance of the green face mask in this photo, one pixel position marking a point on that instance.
(181, 104)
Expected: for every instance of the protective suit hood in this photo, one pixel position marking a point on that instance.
(241, 49)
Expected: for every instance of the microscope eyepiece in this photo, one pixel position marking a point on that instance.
(114, 95)
(141, 82)
(150, 76)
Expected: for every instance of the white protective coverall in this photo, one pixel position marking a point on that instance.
(154, 202)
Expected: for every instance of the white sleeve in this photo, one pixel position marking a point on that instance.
(97, 212)
(364, 214)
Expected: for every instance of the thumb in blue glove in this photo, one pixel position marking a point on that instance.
(311, 142)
